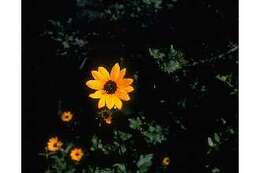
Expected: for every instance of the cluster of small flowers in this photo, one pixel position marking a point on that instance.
(111, 88)
(55, 144)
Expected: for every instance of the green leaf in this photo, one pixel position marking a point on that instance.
(154, 134)
(95, 143)
(216, 137)
(144, 163)
(210, 142)
(119, 135)
(67, 149)
(169, 60)
(135, 123)
(215, 170)
(120, 168)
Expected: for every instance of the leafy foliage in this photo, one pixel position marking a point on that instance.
(153, 133)
(144, 162)
(120, 10)
(70, 41)
(169, 60)
(183, 73)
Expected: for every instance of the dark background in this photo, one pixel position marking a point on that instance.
(48, 78)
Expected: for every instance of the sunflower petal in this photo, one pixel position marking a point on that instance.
(110, 101)
(122, 95)
(102, 101)
(104, 72)
(125, 82)
(115, 72)
(97, 94)
(97, 75)
(129, 89)
(118, 102)
(122, 74)
(95, 84)
(128, 81)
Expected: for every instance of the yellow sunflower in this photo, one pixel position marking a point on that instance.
(76, 154)
(111, 87)
(66, 116)
(54, 144)
(166, 161)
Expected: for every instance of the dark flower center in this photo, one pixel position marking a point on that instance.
(110, 87)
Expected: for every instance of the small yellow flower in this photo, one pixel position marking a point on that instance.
(66, 116)
(76, 154)
(108, 119)
(54, 144)
(111, 87)
(166, 161)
